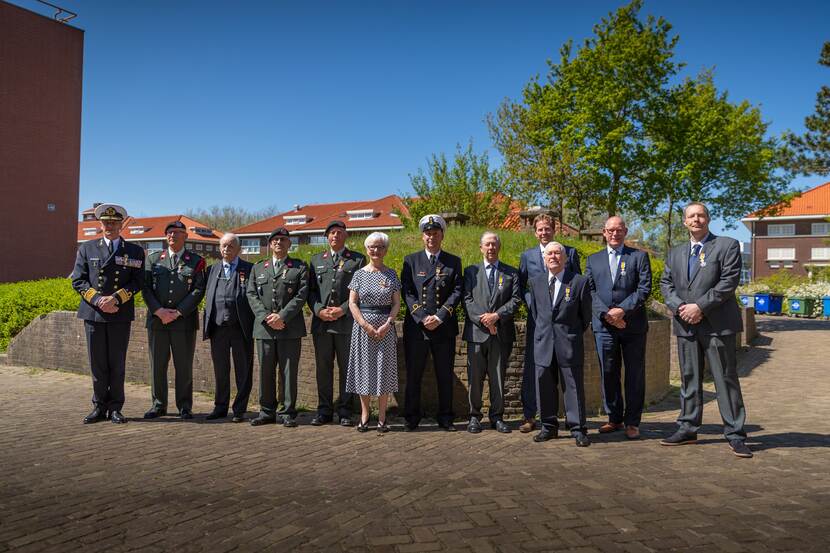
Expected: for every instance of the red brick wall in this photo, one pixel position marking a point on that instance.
(41, 64)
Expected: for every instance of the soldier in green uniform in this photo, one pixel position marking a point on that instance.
(331, 328)
(174, 284)
(277, 290)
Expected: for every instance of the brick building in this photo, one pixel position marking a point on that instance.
(41, 71)
(307, 224)
(796, 238)
(148, 232)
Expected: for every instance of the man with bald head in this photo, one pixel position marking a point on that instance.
(228, 323)
(620, 282)
(560, 305)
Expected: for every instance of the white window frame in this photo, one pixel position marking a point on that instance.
(295, 219)
(199, 246)
(137, 230)
(318, 240)
(780, 254)
(90, 231)
(155, 246)
(361, 214)
(820, 229)
(250, 246)
(783, 229)
(820, 254)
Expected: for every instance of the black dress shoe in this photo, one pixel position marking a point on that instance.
(346, 421)
(502, 427)
(319, 421)
(185, 414)
(154, 413)
(410, 427)
(289, 422)
(740, 449)
(96, 415)
(546, 434)
(681, 437)
(260, 420)
(474, 426)
(117, 418)
(581, 439)
(238, 418)
(449, 427)
(216, 415)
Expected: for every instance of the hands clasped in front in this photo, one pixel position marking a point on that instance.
(378, 333)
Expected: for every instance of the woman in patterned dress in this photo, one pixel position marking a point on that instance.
(374, 301)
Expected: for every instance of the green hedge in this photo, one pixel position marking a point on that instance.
(22, 302)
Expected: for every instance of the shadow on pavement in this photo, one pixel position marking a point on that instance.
(788, 324)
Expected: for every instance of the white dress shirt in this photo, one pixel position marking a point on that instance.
(556, 287)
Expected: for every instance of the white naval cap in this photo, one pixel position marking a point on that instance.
(432, 221)
(110, 212)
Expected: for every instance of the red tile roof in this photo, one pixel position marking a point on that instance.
(318, 217)
(153, 229)
(813, 202)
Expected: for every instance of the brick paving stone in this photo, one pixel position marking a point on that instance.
(196, 486)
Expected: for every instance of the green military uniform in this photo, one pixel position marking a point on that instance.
(280, 288)
(330, 278)
(181, 286)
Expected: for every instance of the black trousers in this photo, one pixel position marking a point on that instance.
(573, 392)
(182, 344)
(416, 350)
(487, 359)
(107, 346)
(613, 350)
(327, 347)
(227, 341)
(284, 354)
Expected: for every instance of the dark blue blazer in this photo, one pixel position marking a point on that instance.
(417, 273)
(98, 273)
(629, 291)
(559, 329)
(531, 264)
(243, 309)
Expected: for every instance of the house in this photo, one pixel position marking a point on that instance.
(797, 237)
(307, 224)
(149, 233)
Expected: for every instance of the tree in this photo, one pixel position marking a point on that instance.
(812, 150)
(654, 232)
(226, 218)
(469, 186)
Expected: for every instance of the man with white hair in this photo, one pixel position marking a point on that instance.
(228, 323)
(560, 304)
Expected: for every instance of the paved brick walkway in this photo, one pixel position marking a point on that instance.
(197, 486)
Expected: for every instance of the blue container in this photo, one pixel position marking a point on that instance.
(747, 300)
(770, 304)
(826, 301)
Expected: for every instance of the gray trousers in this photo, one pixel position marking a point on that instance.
(284, 354)
(487, 359)
(573, 392)
(182, 344)
(327, 347)
(719, 353)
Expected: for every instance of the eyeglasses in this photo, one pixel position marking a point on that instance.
(615, 230)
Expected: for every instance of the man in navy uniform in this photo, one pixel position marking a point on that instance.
(431, 282)
(331, 326)
(277, 290)
(108, 273)
(620, 281)
(560, 304)
(229, 324)
(174, 284)
(698, 284)
(531, 264)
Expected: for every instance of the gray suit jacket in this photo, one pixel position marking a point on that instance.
(712, 287)
(558, 329)
(504, 300)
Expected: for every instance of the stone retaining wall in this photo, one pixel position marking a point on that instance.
(57, 341)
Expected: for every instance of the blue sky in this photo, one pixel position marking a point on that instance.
(191, 104)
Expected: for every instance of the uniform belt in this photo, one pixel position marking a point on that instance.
(382, 309)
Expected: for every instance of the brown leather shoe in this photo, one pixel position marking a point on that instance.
(611, 427)
(632, 432)
(527, 426)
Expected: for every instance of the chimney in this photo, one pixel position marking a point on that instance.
(296, 207)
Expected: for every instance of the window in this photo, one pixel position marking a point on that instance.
(199, 246)
(295, 220)
(209, 247)
(137, 230)
(820, 254)
(317, 239)
(90, 231)
(250, 246)
(781, 230)
(780, 254)
(820, 228)
(358, 214)
(154, 247)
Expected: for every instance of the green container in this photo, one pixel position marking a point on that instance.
(801, 307)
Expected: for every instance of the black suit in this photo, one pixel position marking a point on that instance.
(558, 348)
(430, 290)
(100, 273)
(228, 322)
(628, 291)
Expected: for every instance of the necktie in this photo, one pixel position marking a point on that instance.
(552, 287)
(110, 245)
(694, 262)
(335, 258)
(613, 263)
(174, 260)
(491, 276)
(227, 268)
(431, 259)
